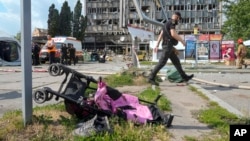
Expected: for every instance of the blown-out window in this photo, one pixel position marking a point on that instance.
(9, 51)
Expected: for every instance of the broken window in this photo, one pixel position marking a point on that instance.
(9, 51)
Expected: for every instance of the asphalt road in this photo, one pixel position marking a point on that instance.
(11, 88)
(11, 81)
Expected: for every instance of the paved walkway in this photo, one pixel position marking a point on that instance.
(184, 101)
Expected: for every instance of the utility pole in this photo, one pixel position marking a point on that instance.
(135, 47)
(26, 61)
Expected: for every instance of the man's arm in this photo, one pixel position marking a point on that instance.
(177, 37)
(159, 38)
(158, 41)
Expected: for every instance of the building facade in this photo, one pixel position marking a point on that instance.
(108, 20)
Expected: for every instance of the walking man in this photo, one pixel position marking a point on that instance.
(170, 38)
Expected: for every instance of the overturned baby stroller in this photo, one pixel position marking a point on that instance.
(107, 101)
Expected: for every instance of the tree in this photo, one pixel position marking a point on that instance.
(65, 27)
(237, 24)
(53, 21)
(83, 26)
(76, 19)
(18, 36)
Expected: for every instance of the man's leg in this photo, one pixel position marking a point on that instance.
(74, 60)
(52, 57)
(37, 62)
(240, 62)
(162, 62)
(62, 59)
(176, 61)
(244, 62)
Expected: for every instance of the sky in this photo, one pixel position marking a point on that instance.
(10, 21)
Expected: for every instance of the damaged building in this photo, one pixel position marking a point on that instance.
(108, 20)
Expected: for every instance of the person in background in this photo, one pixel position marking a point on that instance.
(170, 38)
(7, 52)
(35, 53)
(51, 49)
(241, 54)
(72, 54)
(64, 54)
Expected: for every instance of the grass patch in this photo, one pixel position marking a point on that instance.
(217, 118)
(150, 95)
(117, 80)
(128, 131)
(148, 63)
(52, 122)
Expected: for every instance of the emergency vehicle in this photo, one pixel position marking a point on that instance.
(44, 55)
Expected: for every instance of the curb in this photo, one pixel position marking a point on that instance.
(40, 70)
(219, 101)
(34, 70)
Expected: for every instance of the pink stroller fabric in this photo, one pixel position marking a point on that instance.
(136, 112)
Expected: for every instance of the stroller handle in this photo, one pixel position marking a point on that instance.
(157, 98)
(67, 70)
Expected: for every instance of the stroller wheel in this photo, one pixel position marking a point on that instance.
(40, 96)
(49, 96)
(55, 70)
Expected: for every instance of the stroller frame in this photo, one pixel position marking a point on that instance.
(74, 94)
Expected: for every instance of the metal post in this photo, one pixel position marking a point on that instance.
(196, 51)
(26, 60)
(134, 51)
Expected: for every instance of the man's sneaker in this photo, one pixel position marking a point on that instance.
(188, 77)
(153, 82)
(245, 66)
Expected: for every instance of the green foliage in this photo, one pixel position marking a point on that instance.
(238, 22)
(67, 23)
(65, 20)
(88, 92)
(83, 26)
(76, 19)
(43, 119)
(127, 131)
(18, 36)
(150, 95)
(53, 21)
(220, 119)
(148, 63)
(116, 80)
(59, 107)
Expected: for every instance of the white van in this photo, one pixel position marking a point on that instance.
(59, 41)
(10, 50)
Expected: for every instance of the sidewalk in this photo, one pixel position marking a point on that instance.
(184, 102)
